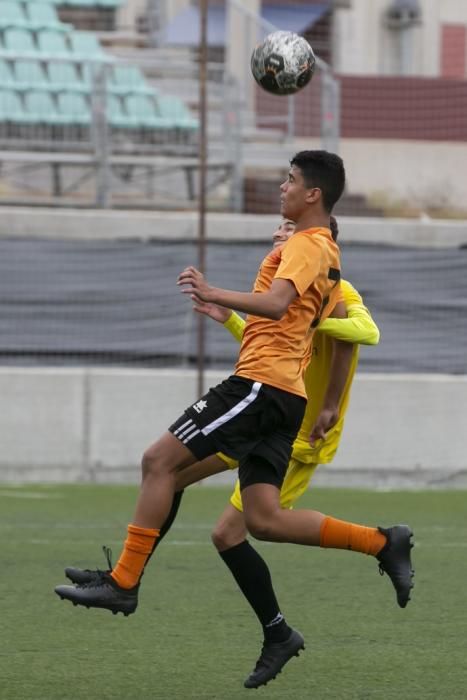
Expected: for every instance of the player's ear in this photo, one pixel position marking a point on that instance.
(313, 195)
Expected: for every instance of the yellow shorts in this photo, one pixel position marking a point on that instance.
(295, 484)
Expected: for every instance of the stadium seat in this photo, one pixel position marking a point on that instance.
(127, 79)
(40, 108)
(48, 2)
(91, 73)
(44, 16)
(29, 75)
(52, 42)
(11, 108)
(142, 113)
(89, 3)
(12, 15)
(73, 108)
(6, 75)
(175, 111)
(115, 114)
(63, 75)
(85, 46)
(19, 41)
(80, 3)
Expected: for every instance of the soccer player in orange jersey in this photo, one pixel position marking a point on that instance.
(254, 415)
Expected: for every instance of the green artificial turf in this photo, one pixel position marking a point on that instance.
(193, 635)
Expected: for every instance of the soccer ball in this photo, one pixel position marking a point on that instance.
(283, 63)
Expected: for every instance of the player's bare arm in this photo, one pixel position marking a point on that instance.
(338, 375)
(339, 311)
(272, 304)
(214, 311)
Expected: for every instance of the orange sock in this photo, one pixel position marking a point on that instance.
(338, 534)
(138, 546)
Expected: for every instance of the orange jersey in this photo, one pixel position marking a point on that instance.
(277, 352)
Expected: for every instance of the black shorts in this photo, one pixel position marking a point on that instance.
(251, 422)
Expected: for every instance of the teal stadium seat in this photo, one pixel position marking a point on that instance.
(115, 113)
(40, 108)
(142, 113)
(29, 75)
(11, 107)
(84, 45)
(80, 3)
(53, 42)
(44, 16)
(73, 109)
(112, 4)
(64, 75)
(6, 75)
(49, 2)
(125, 79)
(92, 72)
(19, 41)
(175, 110)
(12, 15)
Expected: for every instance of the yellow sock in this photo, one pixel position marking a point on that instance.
(138, 546)
(338, 534)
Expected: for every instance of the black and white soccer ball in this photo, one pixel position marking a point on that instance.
(283, 63)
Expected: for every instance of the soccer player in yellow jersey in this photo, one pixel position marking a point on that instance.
(254, 416)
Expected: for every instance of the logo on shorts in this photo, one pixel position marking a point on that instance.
(200, 406)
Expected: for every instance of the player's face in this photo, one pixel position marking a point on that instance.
(293, 195)
(283, 232)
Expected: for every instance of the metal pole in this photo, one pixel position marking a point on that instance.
(290, 117)
(203, 8)
(156, 12)
(101, 134)
(330, 112)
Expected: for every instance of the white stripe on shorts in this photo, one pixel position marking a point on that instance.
(191, 435)
(180, 428)
(233, 411)
(187, 431)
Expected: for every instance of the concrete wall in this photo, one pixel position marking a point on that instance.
(74, 425)
(419, 173)
(94, 224)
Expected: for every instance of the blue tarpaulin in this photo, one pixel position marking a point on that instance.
(185, 27)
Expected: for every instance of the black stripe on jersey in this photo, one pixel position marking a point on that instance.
(316, 320)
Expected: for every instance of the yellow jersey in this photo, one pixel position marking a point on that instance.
(358, 328)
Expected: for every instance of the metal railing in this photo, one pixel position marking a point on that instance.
(96, 153)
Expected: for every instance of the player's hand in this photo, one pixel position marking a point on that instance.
(326, 420)
(194, 284)
(218, 313)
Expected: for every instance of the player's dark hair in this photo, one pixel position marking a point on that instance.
(334, 227)
(324, 170)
